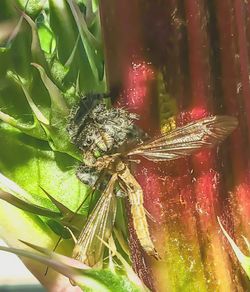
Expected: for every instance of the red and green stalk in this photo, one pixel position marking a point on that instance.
(201, 48)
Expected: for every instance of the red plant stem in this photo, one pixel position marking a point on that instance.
(244, 197)
(234, 65)
(127, 73)
(193, 44)
(243, 56)
(206, 175)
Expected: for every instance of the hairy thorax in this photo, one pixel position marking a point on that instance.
(100, 132)
(100, 129)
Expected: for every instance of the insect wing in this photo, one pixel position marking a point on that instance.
(188, 139)
(98, 228)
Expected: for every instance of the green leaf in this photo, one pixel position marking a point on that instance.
(31, 7)
(31, 164)
(57, 101)
(47, 39)
(91, 45)
(87, 279)
(36, 50)
(34, 130)
(26, 206)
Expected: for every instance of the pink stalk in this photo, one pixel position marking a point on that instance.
(185, 40)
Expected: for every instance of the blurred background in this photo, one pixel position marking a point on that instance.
(14, 276)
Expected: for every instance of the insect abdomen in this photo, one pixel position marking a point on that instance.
(141, 225)
(138, 213)
(139, 221)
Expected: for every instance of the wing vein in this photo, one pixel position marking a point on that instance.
(188, 139)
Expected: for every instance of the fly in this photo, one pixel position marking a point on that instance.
(96, 132)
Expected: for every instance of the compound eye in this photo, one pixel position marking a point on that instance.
(88, 141)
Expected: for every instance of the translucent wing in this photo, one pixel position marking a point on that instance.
(188, 139)
(98, 228)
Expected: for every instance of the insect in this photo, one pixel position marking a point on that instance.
(109, 140)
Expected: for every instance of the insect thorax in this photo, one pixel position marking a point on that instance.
(97, 129)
